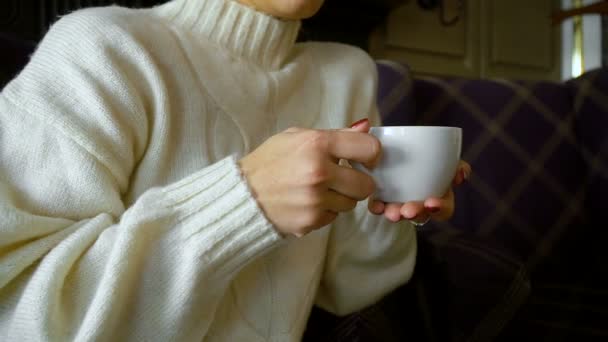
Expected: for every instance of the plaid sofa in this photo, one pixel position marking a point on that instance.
(526, 251)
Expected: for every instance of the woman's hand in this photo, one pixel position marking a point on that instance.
(298, 182)
(440, 209)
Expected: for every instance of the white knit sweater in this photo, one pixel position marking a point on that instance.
(123, 214)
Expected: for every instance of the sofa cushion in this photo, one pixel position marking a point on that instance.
(462, 290)
(590, 93)
(480, 280)
(569, 301)
(577, 259)
(539, 153)
(394, 93)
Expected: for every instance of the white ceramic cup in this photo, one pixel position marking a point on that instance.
(417, 162)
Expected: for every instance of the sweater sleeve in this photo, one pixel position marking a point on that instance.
(367, 255)
(75, 262)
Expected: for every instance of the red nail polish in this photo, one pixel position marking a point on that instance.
(433, 209)
(359, 123)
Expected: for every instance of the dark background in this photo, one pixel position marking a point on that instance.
(348, 21)
(605, 40)
(23, 23)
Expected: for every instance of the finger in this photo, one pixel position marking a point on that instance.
(466, 167)
(391, 212)
(360, 147)
(362, 126)
(458, 178)
(463, 172)
(327, 218)
(375, 207)
(412, 210)
(294, 130)
(441, 209)
(351, 183)
(336, 202)
(320, 221)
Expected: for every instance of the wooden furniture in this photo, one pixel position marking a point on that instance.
(492, 39)
(597, 8)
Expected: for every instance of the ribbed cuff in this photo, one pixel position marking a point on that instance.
(224, 218)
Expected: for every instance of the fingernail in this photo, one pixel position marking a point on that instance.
(359, 123)
(377, 207)
(466, 174)
(459, 180)
(432, 209)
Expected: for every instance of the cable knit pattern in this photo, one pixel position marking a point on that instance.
(123, 213)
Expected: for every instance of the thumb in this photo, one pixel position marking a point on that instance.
(362, 126)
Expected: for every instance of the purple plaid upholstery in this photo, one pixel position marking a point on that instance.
(394, 90)
(526, 159)
(539, 153)
(570, 297)
(591, 107)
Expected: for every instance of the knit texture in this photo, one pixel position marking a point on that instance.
(123, 213)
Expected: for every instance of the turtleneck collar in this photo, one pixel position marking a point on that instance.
(252, 35)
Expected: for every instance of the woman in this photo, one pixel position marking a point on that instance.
(151, 187)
